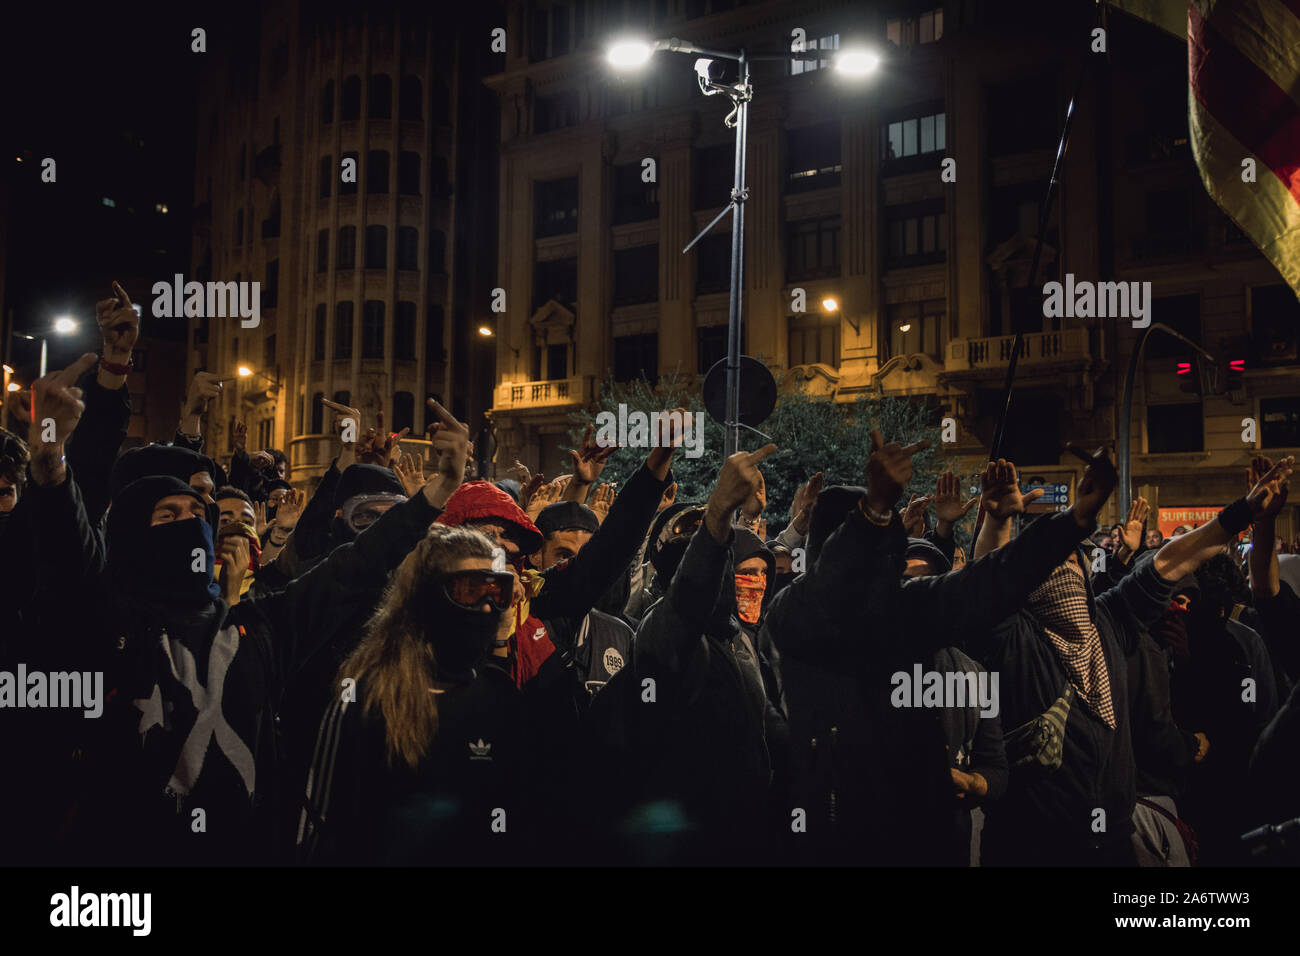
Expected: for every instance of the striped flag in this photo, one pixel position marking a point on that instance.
(1243, 100)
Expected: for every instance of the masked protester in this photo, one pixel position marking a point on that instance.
(600, 644)
(1066, 701)
(689, 778)
(199, 472)
(425, 763)
(191, 683)
(1227, 688)
(874, 774)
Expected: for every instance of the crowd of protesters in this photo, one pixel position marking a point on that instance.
(409, 666)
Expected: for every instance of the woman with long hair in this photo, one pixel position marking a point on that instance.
(420, 757)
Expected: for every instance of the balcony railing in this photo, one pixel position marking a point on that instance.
(1069, 345)
(542, 394)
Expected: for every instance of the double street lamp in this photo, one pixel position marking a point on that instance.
(631, 53)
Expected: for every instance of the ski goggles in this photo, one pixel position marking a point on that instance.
(471, 588)
(361, 511)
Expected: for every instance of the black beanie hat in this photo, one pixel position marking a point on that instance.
(566, 516)
(173, 460)
(829, 510)
(366, 480)
(928, 552)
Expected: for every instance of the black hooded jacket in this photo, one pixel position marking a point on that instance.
(190, 724)
(871, 777)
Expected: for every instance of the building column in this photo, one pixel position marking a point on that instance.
(676, 275)
(860, 294)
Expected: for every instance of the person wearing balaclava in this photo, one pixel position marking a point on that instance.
(197, 471)
(690, 780)
(191, 684)
(414, 766)
(873, 776)
(1063, 671)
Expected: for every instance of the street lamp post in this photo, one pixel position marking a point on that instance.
(634, 53)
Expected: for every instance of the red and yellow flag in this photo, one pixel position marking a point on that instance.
(1243, 99)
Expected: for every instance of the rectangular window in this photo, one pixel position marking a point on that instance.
(913, 136)
(556, 279)
(557, 361)
(408, 248)
(636, 356)
(326, 176)
(343, 330)
(1174, 428)
(317, 413)
(713, 264)
(408, 174)
(710, 346)
(372, 330)
(1274, 324)
(814, 339)
(636, 275)
(634, 200)
(323, 250)
(318, 335)
(916, 234)
(556, 207)
(813, 248)
(1182, 313)
(376, 247)
(1279, 422)
(377, 171)
(555, 112)
(714, 175)
(347, 250)
(404, 331)
(831, 42)
(813, 157)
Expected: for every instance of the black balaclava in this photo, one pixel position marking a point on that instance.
(173, 460)
(667, 549)
(928, 552)
(155, 564)
(460, 636)
(829, 511)
(360, 480)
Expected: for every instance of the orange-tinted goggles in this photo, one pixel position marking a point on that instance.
(472, 588)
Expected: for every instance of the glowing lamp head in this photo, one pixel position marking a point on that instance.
(484, 331)
(905, 327)
(15, 387)
(244, 371)
(629, 54)
(64, 325)
(830, 303)
(857, 62)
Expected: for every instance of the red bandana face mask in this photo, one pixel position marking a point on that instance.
(750, 589)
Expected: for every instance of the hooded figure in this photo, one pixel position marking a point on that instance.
(873, 775)
(191, 685)
(175, 461)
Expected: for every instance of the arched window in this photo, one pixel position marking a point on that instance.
(347, 253)
(404, 331)
(372, 329)
(381, 96)
(343, 330)
(376, 247)
(408, 247)
(352, 98)
(412, 100)
(403, 411)
(377, 171)
(408, 173)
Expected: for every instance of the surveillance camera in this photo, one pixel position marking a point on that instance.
(702, 68)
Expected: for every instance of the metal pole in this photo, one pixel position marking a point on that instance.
(1126, 411)
(738, 195)
(42, 375)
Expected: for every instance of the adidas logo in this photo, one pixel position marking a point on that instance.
(480, 750)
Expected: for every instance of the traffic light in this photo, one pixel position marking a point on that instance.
(1190, 375)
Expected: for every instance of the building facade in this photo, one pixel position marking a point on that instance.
(339, 158)
(848, 200)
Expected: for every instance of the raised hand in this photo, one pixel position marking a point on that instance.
(756, 505)
(604, 497)
(1098, 481)
(889, 469)
(529, 488)
(914, 515)
(948, 506)
(450, 451)
(1269, 492)
(119, 328)
(1135, 526)
(589, 458)
(239, 439)
(804, 499)
(519, 472)
(260, 523)
(1000, 491)
(203, 388)
(671, 436)
(235, 556)
(738, 486)
(546, 494)
(56, 410)
(290, 510)
(410, 470)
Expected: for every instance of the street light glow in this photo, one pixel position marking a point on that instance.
(244, 371)
(484, 331)
(906, 327)
(857, 62)
(64, 325)
(629, 54)
(8, 370)
(829, 304)
(15, 387)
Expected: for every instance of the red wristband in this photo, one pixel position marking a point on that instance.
(113, 368)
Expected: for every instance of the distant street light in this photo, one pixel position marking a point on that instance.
(830, 304)
(63, 325)
(484, 331)
(15, 387)
(857, 62)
